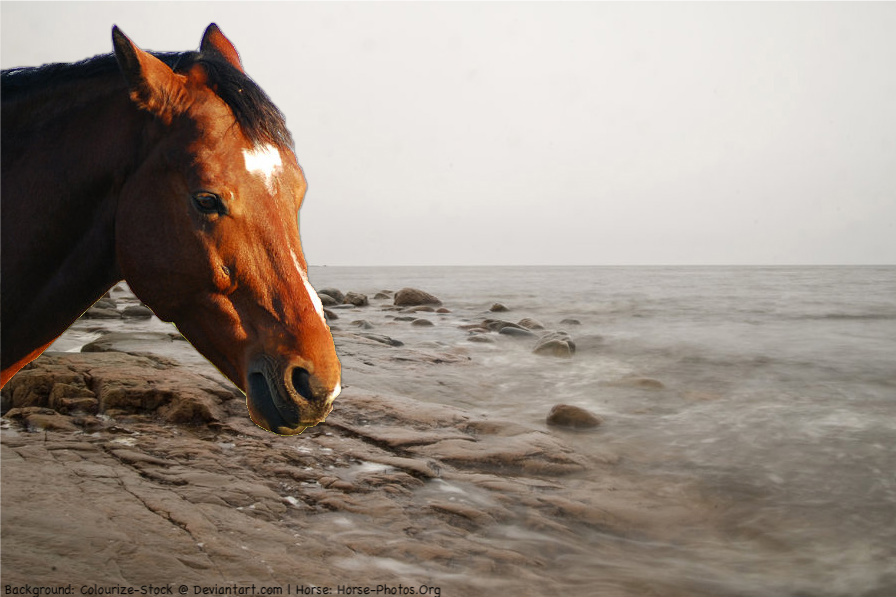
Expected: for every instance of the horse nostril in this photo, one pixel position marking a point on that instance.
(301, 381)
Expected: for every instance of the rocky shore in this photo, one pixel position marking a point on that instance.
(124, 466)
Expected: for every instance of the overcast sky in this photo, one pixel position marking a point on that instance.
(560, 133)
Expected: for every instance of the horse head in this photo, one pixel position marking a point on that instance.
(207, 232)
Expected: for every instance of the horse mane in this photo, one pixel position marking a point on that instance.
(259, 119)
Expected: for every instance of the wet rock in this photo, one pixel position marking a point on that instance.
(383, 339)
(328, 301)
(409, 297)
(119, 383)
(334, 293)
(363, 324)
(419, 309)
(497, 325)
(106, 303)
(570, 321)
(481, 338)
(515, 331)
(573, 417)
(556, 344)
(383, 295)
(422, 323)
(128, 342)
(137, 312)
(531, 324)
(443, 310)
(330, 315)
(101, 313)
(357, 299)
(498, 308)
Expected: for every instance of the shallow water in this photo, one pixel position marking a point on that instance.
(777, 402)
(768, 395)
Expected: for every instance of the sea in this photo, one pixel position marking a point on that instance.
(770, 391)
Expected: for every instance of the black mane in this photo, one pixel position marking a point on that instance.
(260, 120)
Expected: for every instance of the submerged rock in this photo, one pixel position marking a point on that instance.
(409, 297)
(531, 324)
(498, 308)
(422, 323)
(356, 298)
(570, 321)
(137, 312)
(515, 331)
(101, 313)
(328, 301)
(557, 344)
(565, 415)
(336, 294)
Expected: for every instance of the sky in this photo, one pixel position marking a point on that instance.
(595, 133)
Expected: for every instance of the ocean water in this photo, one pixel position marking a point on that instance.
(771, 390)
(764, 395)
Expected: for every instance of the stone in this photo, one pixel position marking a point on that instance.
(328, 301)
(573, 417)
(419, 309)
(422, 323)
(570, 321)
(498, 308)
(105, 303)
(363, 324)
(137, 312)
(557, 344)
(530, 324)
(335, 293)
(409, 297)
(383, 295)
(330, 315)
(356, 298)
(481, 338)
(515, 331)
(101, 313)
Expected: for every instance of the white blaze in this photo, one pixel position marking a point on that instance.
(263, 161)
(315, 300)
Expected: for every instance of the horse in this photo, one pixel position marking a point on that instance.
(176, 173)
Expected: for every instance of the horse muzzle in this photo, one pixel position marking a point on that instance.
(285, 398)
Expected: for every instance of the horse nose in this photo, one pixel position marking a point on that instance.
(286, 397)
(312, 389)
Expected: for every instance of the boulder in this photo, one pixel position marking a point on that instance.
(137, 312)
(573, 417)
(531, 324)
(336, 294)
(557, 344)
(328, 301)
(383, 295)
(515, 331)
(422, 323)
(409, 297)
(356, 298)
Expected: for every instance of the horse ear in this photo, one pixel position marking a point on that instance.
(214, 42)
(153, 85)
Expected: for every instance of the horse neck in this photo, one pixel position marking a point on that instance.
(66, 153)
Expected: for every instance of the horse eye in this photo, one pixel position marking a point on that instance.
(208, 203)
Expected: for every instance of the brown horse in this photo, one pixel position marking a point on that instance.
(176, 173)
